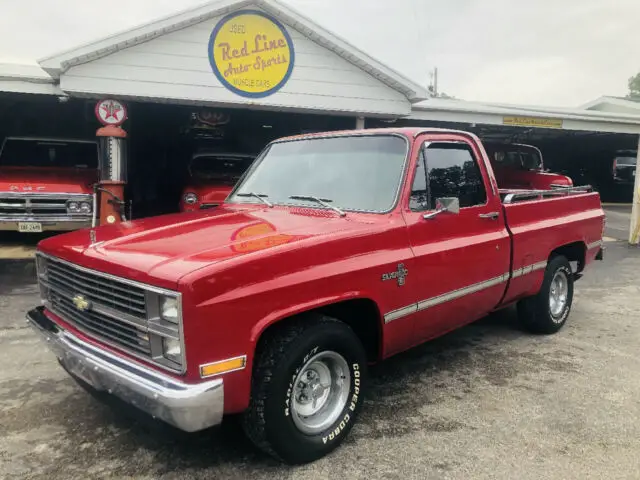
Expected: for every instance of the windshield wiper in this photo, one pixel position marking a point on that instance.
(322, 201)
(259, 196)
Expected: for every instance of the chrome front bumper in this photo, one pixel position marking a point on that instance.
(187, 407)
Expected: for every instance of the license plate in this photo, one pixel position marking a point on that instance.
(29, 227)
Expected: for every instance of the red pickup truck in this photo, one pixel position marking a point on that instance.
(517, 165)
(212, 175)
(47, 184)
(335, 251)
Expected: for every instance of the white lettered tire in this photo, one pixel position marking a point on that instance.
(547, 312)
(308, 383)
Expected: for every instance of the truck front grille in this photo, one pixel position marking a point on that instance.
(101, 307)
(20, 205)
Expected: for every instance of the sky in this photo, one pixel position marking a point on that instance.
(542, 52)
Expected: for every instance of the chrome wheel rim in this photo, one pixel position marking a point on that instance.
(320, 392)
(558, 294)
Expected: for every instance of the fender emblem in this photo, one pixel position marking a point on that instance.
(400, 275)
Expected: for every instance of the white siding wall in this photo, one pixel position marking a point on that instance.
(176, 67)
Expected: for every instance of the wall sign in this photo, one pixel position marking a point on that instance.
(251, 53)
(533, 122)
(110, 112)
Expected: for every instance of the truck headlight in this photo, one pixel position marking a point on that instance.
(172, 349)
(169, 309)
(73, 207)
(84, 207)
(190, 198)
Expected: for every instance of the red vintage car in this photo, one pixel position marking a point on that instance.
(47, 184)
(212, 175)
(521, 166)
(334, 251)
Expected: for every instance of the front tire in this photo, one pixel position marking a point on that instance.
(547, 312)
(307, 389)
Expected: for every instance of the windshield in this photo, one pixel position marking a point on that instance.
(220, 166)
(353, 173)
(48, 153)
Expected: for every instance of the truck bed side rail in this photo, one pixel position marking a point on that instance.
(513, 196)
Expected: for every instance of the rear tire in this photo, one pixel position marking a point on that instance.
(547, 312)
(307, 389)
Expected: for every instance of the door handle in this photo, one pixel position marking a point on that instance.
(490, 215)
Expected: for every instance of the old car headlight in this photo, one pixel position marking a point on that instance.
(190, 198)
(84, 207)
(172, 349)
(169, 309)
(41, 266)
(73, 207)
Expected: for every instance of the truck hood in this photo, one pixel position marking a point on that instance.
(52, 180)
(161, 250)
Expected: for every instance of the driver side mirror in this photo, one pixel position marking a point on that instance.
(445, 204)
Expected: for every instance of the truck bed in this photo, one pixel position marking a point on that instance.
(539, 221)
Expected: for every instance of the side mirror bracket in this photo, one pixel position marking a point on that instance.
(445, 204)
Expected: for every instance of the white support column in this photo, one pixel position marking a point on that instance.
(634, 232)
(359, 123)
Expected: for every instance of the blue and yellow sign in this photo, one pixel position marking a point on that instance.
(251, 53)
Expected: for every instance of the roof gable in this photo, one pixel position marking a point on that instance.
(57, 64)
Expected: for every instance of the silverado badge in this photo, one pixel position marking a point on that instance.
(400, 275)
(81, 303)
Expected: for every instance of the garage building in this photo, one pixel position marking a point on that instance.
(235, 74)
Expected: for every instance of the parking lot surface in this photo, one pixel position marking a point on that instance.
(487, 401)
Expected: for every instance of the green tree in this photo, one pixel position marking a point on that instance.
(634, 87)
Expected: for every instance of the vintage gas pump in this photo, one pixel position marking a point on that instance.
(109, 204)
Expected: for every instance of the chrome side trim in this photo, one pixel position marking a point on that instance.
(593, 245)
(476, 287)
(401, 312)
(529, 269)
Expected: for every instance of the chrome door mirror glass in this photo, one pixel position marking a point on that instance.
(445, 204)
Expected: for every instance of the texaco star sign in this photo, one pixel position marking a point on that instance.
(111, 112)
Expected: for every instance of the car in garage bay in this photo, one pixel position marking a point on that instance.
(47, 183)
(212, 175)
(518, 165)
(624, 167)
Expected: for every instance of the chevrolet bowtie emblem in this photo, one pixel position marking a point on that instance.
(81, 303)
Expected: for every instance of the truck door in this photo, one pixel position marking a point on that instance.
(463, 259)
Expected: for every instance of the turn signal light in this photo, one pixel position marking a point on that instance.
(224, 366)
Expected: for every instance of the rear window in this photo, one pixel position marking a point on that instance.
(48, 153)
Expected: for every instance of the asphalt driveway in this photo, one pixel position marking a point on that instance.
(488, 401)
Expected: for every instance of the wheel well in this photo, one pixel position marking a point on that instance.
(574, 252)
(362, 315)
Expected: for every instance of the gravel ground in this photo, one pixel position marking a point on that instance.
(487, 401)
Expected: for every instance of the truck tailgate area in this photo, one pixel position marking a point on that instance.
(539, 226)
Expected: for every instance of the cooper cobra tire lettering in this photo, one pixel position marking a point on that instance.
(287, 402)
(282, 355)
